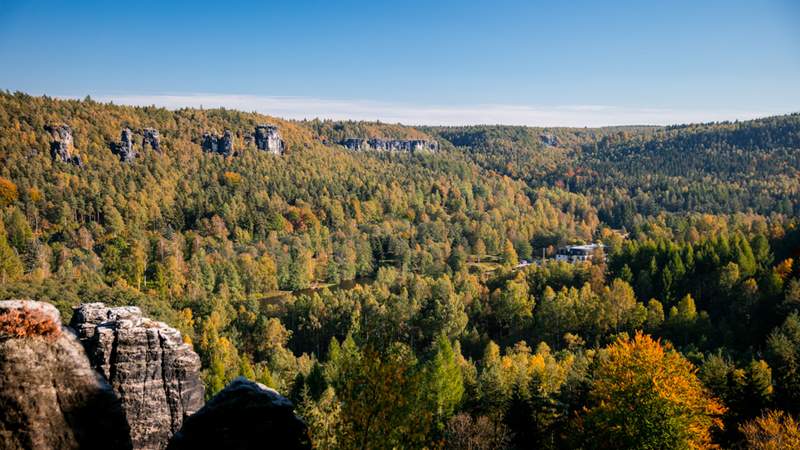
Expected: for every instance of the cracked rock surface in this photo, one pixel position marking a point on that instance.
(155, 374)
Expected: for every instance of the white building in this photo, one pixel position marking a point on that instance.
(577, 253)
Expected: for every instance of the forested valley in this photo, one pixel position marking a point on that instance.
(414, 299)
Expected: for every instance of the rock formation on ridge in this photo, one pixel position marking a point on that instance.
(225, 143)
(61, 145)
(222, 145)
(124, 149)
(151, 137)
(548, 140)
(268, 138)
(390, 145)
(210, 142)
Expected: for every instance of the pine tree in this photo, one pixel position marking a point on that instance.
(445, 386)
(10, 263)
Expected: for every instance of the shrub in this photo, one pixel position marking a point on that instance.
(26, 322)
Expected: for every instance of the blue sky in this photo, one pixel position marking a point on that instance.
(518, 62)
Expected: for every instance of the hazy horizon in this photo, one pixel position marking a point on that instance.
(300, 108)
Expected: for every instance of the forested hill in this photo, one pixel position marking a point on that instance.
(682, 328)
(728, 151)
(319, 212)
(750, 166)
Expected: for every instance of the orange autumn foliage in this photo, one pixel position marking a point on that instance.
(25, 322)
(232, 178)
(647, 395)
(8, 192)
(775, 430)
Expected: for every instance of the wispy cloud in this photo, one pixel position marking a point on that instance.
(413, 114)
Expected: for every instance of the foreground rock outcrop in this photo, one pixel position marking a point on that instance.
(391, 145)
(244, 415)
(155, 374)
(124, 382)
(50, 397)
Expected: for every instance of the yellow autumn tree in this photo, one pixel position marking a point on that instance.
(646, 395)
(8, 192)
(775, 430)
(232, 178)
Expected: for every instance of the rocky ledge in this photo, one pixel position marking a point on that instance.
(244, 415)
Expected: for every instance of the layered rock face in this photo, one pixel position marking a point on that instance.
(244, 415)
(62, 144)
(269, 139)
(50, 397)
(151, 137)
(155, 374)
(391, 145)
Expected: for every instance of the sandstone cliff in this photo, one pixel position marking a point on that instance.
(147, 364)
(268, 138)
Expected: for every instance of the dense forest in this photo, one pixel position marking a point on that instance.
(383, 292)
